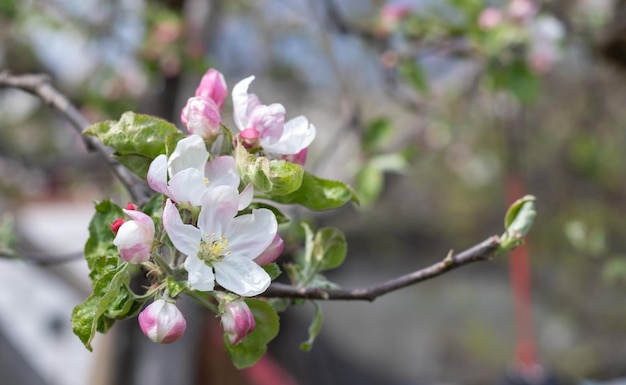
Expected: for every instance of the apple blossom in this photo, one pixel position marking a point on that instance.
(237, 321)
(134, 237)
(162, 322)
(213, 86)
(264, 126)
(189, 173)
(201, 116)
(223, 247)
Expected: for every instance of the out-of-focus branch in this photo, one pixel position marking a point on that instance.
(39, 85)
(42, 259)
(483, 251)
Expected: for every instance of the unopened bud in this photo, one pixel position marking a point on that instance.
(237, 321)
(162, 322)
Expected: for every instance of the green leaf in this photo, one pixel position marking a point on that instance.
(253, 347)
(413, 73)
(318, 194)
(137, 139)
(275, 177)
(516, 78)
(377, 132)
(174, 287)
(369, 184)
(518, 221)
(87, 318)
(273, 270)
(314, 328)
(329, 249)
(101, 254)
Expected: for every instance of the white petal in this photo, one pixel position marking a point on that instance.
(190, 152)
(241, 276)
(249, 235)
(186, 238)
(245, 198)
(222, 171)
(240, 102)
(200, 275)
(157, 174)
(188, 186)
(219, 207)
(297, 135)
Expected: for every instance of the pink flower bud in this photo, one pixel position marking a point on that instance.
(213, 86)
(490, 18)
(299, 158)
(131, 206)
(237, 321)
(201, 116)
(115, 226)
(272, 252)
(134, 238)
(249, 138)
(162, 322)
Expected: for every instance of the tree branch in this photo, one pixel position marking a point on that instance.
(39, 85)
(483, 251)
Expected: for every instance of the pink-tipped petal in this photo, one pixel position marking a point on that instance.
(272, 252)
(222, 171)
(157, 174)
(240, 102)
(219, 207)
(213, 86)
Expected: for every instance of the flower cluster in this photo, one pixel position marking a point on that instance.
(543, 33)
(217, 248)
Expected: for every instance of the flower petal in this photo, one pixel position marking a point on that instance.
(190, 152)
(222, 171)
(188, 186)
(186, 238)
(245, 198)
(213, 86)
(268, 121)
(297, 135)
(249, 235)
(143, 220)
(200, 274)
(241, 275)
(157, 174)
(219, 207)
(240, 102)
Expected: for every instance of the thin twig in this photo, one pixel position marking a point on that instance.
(39, 85)
(483, 251)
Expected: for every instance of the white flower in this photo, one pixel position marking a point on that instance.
(189, 173)
(223, 247)
(162, 322)
(266, 124)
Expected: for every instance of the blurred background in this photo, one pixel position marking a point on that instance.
(437, 112)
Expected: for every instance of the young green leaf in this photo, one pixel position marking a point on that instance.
(253, 347)
(314, 328)
(329, 249)
(318, 194)
(274, 177)
(137, 139)
(87, 318)
(101, 254)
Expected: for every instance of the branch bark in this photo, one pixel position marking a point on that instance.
(40, 86)
(483, 251)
